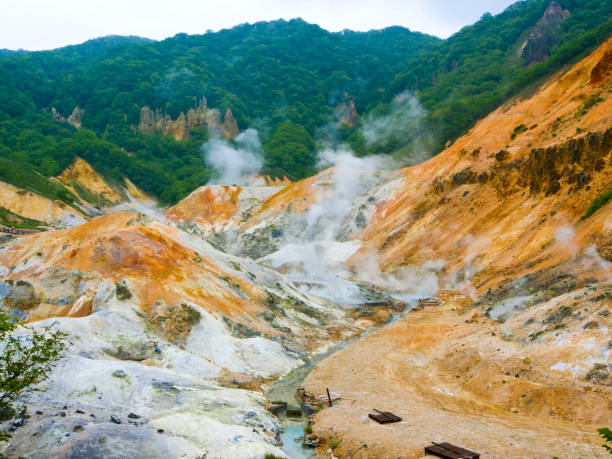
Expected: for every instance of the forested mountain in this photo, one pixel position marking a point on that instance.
(288, 79)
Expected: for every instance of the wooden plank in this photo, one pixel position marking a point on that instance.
(391, 416)
(442, 452)
(459, 450)
(452, 451)
(384, 417)
(381, 419)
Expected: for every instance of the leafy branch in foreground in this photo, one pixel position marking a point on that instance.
(607, 435)
(25, 361)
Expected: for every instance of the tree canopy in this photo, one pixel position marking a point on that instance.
(284, 78)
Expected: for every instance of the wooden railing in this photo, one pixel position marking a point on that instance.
(16, 231)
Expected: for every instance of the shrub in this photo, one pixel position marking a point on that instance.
(334, 442)
(25, 362)
(597, 204)
(518, 130)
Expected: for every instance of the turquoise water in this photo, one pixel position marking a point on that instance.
(292, 442)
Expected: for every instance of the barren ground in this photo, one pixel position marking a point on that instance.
(453, 377)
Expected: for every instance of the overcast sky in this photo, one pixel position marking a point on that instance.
(46, 24)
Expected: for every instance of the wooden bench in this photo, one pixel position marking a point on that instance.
(447, 450)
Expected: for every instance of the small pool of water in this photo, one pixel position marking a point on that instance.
(292, 442)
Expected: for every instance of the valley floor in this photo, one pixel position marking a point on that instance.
(453, 376)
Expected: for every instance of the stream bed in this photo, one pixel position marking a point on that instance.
(285, 390)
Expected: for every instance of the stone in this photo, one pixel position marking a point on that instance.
(5, 289)
(200, 116)
(119, 374)
(277, 408)
(308, 409)
(122, 291)
(268, 316)
(22, 296)
(165, 386)
(130, 350)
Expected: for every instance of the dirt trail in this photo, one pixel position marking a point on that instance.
(452, 377)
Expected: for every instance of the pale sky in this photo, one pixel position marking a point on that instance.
(47, 24)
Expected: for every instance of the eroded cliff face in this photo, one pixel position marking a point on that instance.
(544, 36)
(88, 185)
(499, 195)
(75, 118)
(219, 208)
(519, 351)
(346, 113)
(200, 116)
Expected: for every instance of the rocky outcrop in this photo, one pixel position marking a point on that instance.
(603, 69)
(346, 113)
(88, 185)
(200, 116)
(217, 208)
(544, 36)
(573, 164)
(75, 118)
(229, 128)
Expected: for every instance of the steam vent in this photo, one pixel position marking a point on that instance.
(276, 241)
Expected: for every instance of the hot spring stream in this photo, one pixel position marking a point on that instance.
(285, 390)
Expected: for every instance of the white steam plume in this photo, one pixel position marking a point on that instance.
(403, 124)
(314, 251)
(234, 164)
(352, 177)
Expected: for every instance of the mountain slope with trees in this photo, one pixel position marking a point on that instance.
(282, 77)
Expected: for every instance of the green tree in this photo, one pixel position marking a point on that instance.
(24, 362)
(290, 151)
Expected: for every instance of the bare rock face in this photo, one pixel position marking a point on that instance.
(22, 296)
(602, 69)
(544, 37)
(75, 118)
(200, 116)
(229, 128)
(346, 113)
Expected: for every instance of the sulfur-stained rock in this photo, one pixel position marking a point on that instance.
(22, 296)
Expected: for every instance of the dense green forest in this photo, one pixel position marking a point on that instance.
(283, 78)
